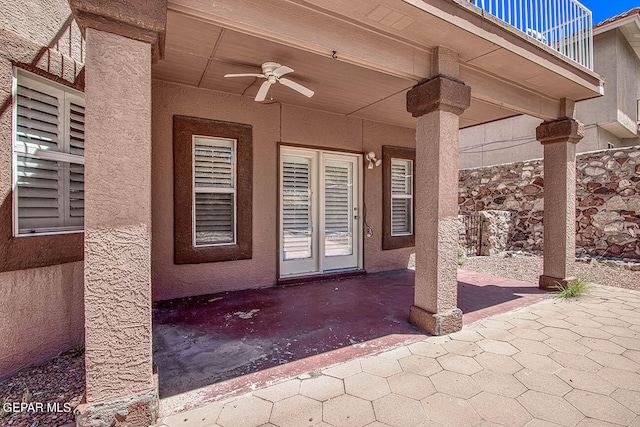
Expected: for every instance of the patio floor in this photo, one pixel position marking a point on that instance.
(567, 363)
(211, 339)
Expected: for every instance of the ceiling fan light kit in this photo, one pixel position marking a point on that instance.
(272, 72)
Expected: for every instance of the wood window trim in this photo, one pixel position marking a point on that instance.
(388, 241)
(184, 128)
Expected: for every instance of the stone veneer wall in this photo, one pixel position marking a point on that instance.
(607, 201)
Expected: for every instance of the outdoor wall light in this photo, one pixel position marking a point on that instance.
(371, 158)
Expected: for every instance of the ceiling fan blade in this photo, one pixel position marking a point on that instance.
(244, 75)
(262, 92)
(282, 70)
(297, 87)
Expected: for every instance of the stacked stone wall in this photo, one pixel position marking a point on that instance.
(607, 201)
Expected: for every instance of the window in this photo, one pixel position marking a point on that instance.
(397, 197)
(48, 146)
(401, 197)
(212, 197)
(214, 186)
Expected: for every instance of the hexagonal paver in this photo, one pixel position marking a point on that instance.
(591, 422)
(396, 353)
(497, 383)
(460, 364)
(322, 388)
(526, 324)
(555, 323)
(296, 411)
(344, 370)
(628, 398)
(632, 355)
(601, 407)
(563, 334)
(627, 342)
(427, 349)
(199, 417)
(622, 331)
(399, 411)
(567, 346)
(498, 363)
(576, 361)
(536, 362)
(583, 321)
(497, 334)
(248, 411)
(366, 386)
(466, 334)
(348, 411)
(529, 334)
(411, 385)
(598, 344)
(463, 348)
(420, 365)
(541, 423)
(550, 408)
(497, 347)
(543, 382)
(613, 361)
(380, 366)
(500, 409)
(621, 378)
(495, 323)
(450, 411)
(455, 384)
(586, 381)
(532, 346)
(586, 331)
(279, 391)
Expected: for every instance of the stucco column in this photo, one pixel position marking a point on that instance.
(121, 387)
(437, 103)
(559, 139)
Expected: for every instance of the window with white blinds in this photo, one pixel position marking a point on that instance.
(401, 197)
(296, 208)
(214, 187)
(338, 208)
(48, 145)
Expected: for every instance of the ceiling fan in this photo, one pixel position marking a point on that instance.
(273, 72)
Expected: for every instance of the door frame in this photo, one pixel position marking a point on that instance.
(358, 245)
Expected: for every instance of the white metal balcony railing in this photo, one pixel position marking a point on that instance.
(564, 25)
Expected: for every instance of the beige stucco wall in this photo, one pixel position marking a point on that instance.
(41, 309)
(42, 314)
(271, 123)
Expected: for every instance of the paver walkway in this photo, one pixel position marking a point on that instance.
(553, 363)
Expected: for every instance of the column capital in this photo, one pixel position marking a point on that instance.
(440, 93)
(142, 20)
(562, 130)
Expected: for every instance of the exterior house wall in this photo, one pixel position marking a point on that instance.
(513, 140)
(41, 278)
(271, 123)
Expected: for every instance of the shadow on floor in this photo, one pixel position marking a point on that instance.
(207, 339)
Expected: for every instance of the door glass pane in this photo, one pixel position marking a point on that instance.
(214, 218)
(338, 215)
(296, 208)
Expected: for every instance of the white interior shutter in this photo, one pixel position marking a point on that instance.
(401, 197)
(214, 186)
(38, 180)
(296, 207)
(338, 208)
(76, 171)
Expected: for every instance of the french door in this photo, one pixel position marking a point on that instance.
(320, 211)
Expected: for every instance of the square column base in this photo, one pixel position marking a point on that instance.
(442, 323)
(140, 410)
(549, 283)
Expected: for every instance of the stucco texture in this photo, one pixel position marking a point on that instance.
(271, 123)
(42, 314)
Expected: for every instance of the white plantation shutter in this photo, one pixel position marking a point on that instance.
(338, 206)
(296, 207)
(49, 174)
(214, 183)
(401, 197)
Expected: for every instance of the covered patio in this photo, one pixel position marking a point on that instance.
(225, 344)
(397, 78)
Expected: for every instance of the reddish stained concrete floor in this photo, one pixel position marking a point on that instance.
(245, 339)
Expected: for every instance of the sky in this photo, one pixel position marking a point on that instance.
(605, 9)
